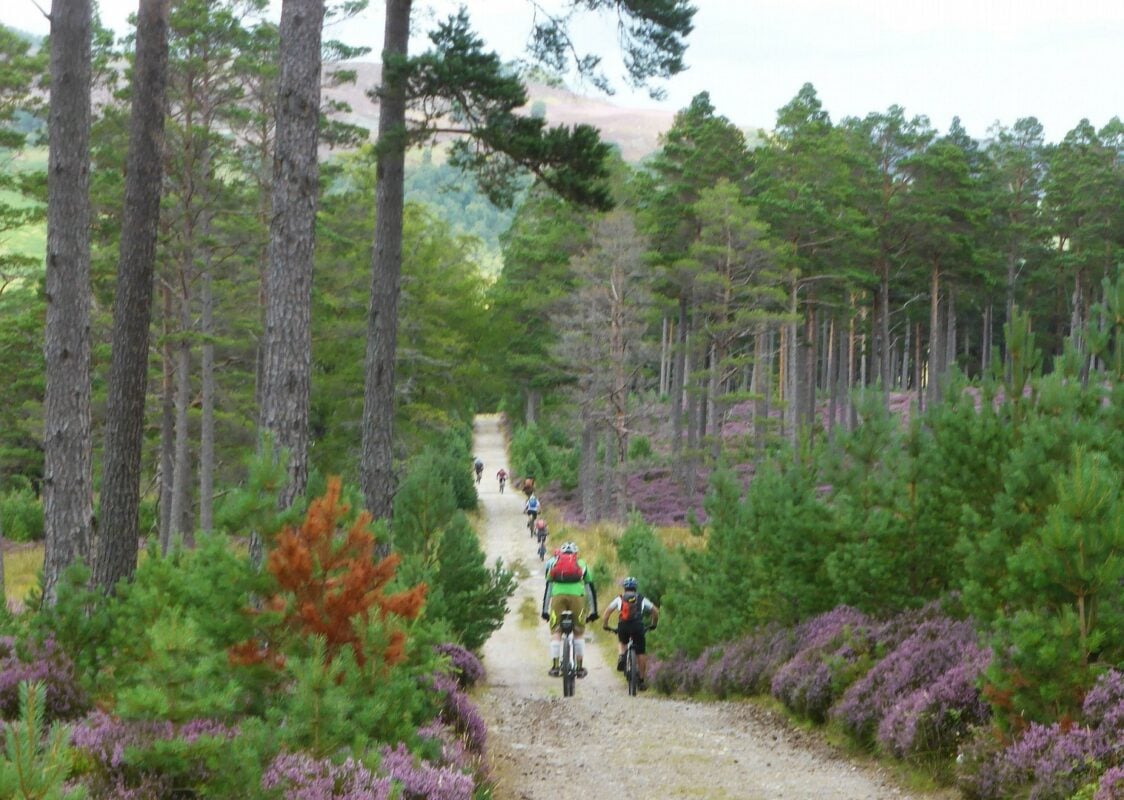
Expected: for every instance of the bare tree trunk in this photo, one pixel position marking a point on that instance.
(678, 386)
(904, 374)
(935, 341)
(917, 379)
(587, 478)
(377, 458)
(792, 373)
(68, 512)
(665, 352)
(531, 406)
(207, 411)
(852, 347)
(950, 333)
(884, 330)
(116, 556)
(167, 425)
(985, 345)
(830, 381)
(3, 588)
(288, 334)
(181, 474)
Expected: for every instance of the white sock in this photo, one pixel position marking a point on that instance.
(555, 649)
(579, 650)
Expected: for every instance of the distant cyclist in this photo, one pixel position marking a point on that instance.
(528, 486)
(632, 608)
(568, 587)
(479, 467)
(531, 509)
(540, 531)
(501, 476)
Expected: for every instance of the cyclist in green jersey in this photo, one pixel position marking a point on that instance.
(569, 586)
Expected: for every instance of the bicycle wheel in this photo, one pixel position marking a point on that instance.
(632, 671)
(569, 671)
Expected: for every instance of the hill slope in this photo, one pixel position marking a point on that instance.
(635, 131)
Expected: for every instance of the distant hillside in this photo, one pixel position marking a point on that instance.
(635, 131)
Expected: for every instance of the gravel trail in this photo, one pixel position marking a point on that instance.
(601, 743)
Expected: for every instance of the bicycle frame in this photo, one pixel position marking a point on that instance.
(568, 662)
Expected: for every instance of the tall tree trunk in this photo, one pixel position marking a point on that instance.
(884, 334)
(936, 351)
(791, 384)
(904, 374)
(678, 386)
(531, 406)
(949, 333)
(918, 383)
(714, 414)
(587, 478)
(985, 345)
(808, 363)
(665, 352)
(286, 373)
(852, 353)
(831, 368)
(181, 472)
(167, 423)
(68, 512)
(377, 464)
(207, 400)
(116, 556)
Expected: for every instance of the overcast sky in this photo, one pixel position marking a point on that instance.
(981, 60)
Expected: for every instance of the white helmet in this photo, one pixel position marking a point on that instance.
(568, 547)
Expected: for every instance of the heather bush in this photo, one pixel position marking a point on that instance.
(920, 659)
(45, 664)
(747, 665)
(932, 721)
(1111, 786)
(420, 780)
(680, 674)
(832, 650)
(465, 666)
(460, 714)
(147, 758)
(1048, 762)
(299, 776)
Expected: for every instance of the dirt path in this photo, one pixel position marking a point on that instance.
(603, 743)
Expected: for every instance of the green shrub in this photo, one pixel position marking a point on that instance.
(639, 447)
(530, 454)
(21, 515)
(34, 766)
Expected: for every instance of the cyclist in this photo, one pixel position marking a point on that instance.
(531, 509)
(478, 465)
(568, 587)
(528, 486)
(631, 608)
(501, 476)
(540, 531)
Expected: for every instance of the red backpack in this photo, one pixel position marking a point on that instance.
(566, 568)
(631, 608)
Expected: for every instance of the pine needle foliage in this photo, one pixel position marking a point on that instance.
(33, 767)
(329, 585)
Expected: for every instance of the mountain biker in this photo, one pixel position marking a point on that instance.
(478, 465)
(636, 607)
(528, 486)
(531, 509)
(566, 594)
(540, 531)
(501, 476)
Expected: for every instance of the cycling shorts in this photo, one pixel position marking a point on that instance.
(634, 631)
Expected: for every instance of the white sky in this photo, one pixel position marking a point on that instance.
(983, 60)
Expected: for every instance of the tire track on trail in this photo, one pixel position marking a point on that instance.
(603, 743)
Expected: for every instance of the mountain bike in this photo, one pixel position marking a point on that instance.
(631, 664)
(567, 662)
